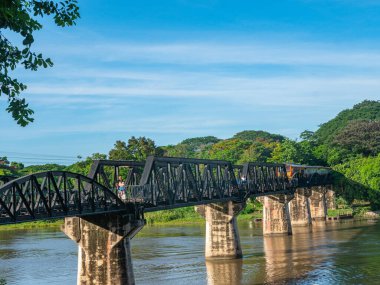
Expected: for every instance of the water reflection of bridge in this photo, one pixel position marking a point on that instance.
(102, 224)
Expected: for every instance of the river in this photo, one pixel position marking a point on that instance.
(337, 253)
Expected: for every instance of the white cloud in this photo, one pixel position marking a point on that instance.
(164, 124)
(172, 71)
(229, 52)
(285, 90)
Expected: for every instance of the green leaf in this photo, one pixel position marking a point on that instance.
(28, 40)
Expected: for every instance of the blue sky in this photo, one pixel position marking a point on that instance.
(175, 69)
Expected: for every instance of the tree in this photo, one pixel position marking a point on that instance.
(4, 160)
(40, 168)
(19, 16)
(360, 137)
(83, 167)
(288, 151)
(98, 156)
(258, 151)
(366, 110)
(198, 141)
(193, 147)
(137, 149)
(17, 165)
(307, 135)
(119, 152)
(140, 148)
(179, 150)
(230, 150)
(359, 178)
(254, 135)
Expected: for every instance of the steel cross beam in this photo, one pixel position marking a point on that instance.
(107, 172)
(169, 182)
(265, 179)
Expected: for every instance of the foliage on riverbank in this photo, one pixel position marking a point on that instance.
(188, 215)
(358, 179)
(180, 215)
(56, 223)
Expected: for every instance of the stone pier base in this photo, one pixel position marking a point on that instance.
(299, 208)
(222, 235)
(276, 218)
(104, 255)
(330, 198)
(318, 205)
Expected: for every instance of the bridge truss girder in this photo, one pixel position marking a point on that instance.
(55, 194)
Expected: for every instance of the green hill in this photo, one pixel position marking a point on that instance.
(254, 135)
(366, 110)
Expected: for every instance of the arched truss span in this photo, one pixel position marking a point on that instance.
(55, 194)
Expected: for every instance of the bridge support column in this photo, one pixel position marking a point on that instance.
(276, 218)
(318, 205)
(330, 198)
(299, 208)
(104, 255)
(222, 235)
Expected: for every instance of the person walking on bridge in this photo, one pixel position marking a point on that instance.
(121, 188)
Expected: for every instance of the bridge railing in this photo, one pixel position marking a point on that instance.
(54, 194)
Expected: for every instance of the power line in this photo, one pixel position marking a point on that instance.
(42, 159)
(38, 155)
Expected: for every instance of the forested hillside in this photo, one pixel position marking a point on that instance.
(349, 143)
(353, 132)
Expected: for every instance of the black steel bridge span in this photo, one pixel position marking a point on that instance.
(159, 183)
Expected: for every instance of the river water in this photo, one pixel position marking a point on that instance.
(336, 253)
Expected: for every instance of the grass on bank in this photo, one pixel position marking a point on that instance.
(185, 215)
(188, 215)
(339, 212)
(55, 223)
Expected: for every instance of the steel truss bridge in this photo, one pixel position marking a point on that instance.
(158, 183)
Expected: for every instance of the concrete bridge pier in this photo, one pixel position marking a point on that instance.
(330, 197)
(104, 254)
(299, 208)
(222, 235)
(276, 217)
(318, 203)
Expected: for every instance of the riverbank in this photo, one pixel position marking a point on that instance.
(56, 223)
(183, 216)
(156, 219)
